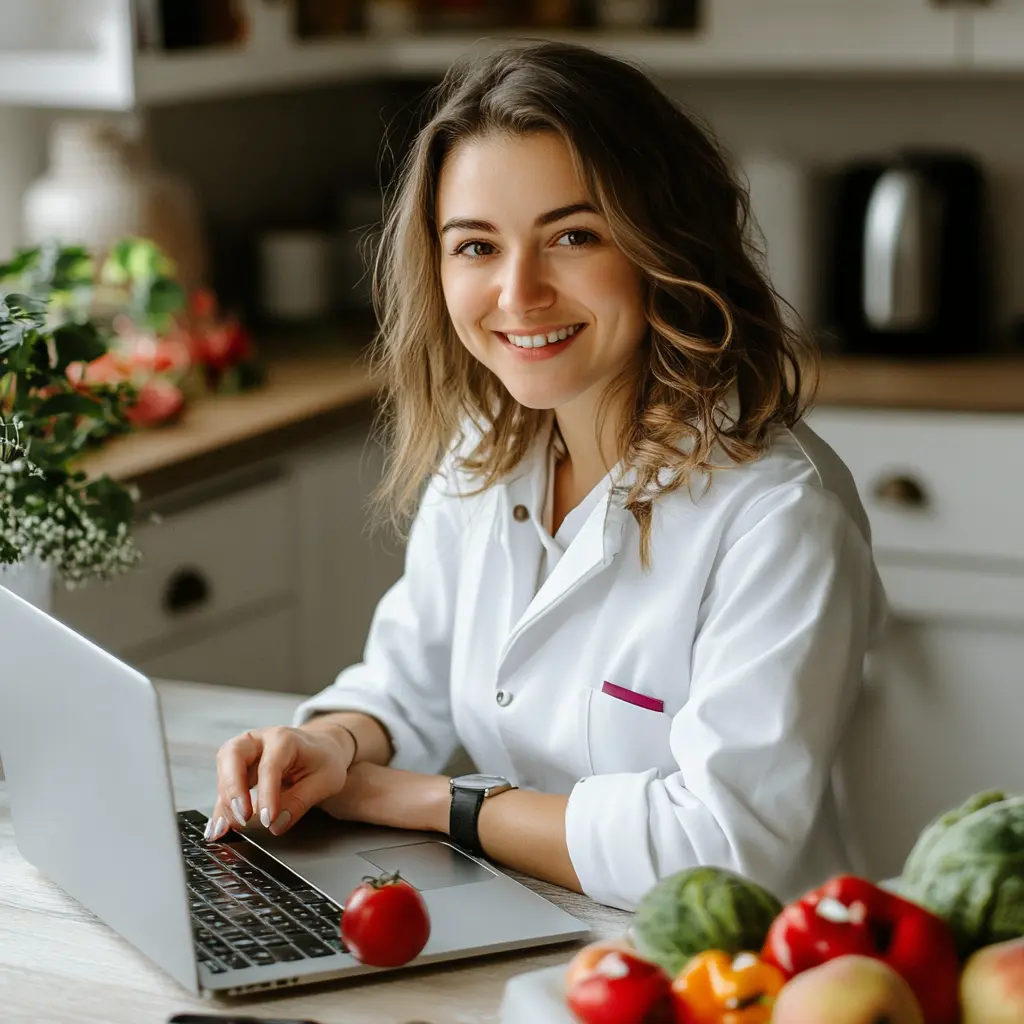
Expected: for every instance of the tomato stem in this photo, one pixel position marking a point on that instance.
(379, 881)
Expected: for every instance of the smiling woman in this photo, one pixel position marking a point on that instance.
(638, 589)
(540, 277)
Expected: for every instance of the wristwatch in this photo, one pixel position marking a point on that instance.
(468, 794)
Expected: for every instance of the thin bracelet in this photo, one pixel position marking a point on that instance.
(355, 742)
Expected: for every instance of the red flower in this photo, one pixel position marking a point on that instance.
(159, 400)
(221, 346)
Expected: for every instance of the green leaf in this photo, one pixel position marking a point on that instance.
(147, 260)
(165, 296)
(137, 260)
(23, 260)
(23, 308)
(115, 266)
(12, 335)
(78, 343)
(114, 501)
(72, 268)
(69, 402)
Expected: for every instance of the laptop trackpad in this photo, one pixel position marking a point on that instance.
(429, 865)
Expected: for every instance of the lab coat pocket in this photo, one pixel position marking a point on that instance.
(626, 737)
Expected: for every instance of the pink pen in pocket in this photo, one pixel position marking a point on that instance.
(641, 700)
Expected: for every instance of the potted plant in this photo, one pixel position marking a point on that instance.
(57, 316)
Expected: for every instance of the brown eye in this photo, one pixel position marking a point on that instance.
(473, 249)
(577, 238)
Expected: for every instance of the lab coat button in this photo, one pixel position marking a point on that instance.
(520, 513)
(504, 698)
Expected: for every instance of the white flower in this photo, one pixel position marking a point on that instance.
(57, 529)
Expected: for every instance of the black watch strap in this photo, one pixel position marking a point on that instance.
(462, 819)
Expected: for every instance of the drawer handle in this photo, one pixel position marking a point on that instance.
(901, 491)
(186, 590)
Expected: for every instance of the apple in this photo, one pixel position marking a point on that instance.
(622, 988)
(850, 989)
(992, 984)
(587, 959)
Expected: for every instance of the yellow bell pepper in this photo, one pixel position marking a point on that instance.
(719, 988)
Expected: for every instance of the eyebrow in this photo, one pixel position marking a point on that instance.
(551, 217)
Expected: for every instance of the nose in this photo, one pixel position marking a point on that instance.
(524, 284)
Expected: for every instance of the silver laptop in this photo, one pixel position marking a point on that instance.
(81, 737)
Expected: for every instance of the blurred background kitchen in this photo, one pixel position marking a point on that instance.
(883, 141)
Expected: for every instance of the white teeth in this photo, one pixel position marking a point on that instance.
(540, 340)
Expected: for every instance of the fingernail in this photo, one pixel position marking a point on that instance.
(280, 821)
(209, 826)
(237, 809)
(265, 817)
(219, 828)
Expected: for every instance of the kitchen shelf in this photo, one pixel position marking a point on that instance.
(170, 77)
(89, 66)
(89, 81)
(163, 78)
(81, 53)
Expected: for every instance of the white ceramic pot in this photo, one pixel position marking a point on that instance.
(33, 582)
(103, 185)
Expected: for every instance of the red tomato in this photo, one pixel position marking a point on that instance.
(623, 989)
(385, 922)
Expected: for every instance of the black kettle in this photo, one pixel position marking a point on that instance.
(909, 269)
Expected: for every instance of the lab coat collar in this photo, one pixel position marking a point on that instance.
(594, 547)
(592, 550)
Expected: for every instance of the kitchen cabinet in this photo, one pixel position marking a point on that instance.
(830, 35)
(83, 53)
(266, 577)
(256, 654)
(67, 53)
(941, 714)
(940, 719)
(996, 35)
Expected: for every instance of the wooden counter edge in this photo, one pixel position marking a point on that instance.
(993, 384)
(309, 394)
(306, 396)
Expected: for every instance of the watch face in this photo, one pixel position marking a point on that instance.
(479, 782)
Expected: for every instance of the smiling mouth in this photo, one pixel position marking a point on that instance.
(541, 340)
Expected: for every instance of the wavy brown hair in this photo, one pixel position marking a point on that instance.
(673, 206)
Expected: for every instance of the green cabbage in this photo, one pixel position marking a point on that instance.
(967, 866)
(698, 909)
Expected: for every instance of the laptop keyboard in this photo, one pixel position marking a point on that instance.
(247, 908)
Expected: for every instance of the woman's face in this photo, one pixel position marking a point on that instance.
(534, 286)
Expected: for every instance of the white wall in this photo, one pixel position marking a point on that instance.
(22, 157)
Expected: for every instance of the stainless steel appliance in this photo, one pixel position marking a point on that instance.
(909, 257)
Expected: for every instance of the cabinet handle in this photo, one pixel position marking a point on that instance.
(901, 491)
(186, 590)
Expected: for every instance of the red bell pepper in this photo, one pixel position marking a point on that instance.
(851, 915)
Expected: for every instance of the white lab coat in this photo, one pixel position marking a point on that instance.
(751, 629)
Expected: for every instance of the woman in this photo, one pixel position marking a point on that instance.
(638, 589)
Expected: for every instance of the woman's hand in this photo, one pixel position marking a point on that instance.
(292, 770)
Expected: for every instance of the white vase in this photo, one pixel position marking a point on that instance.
(32, 581)
(103, 184)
